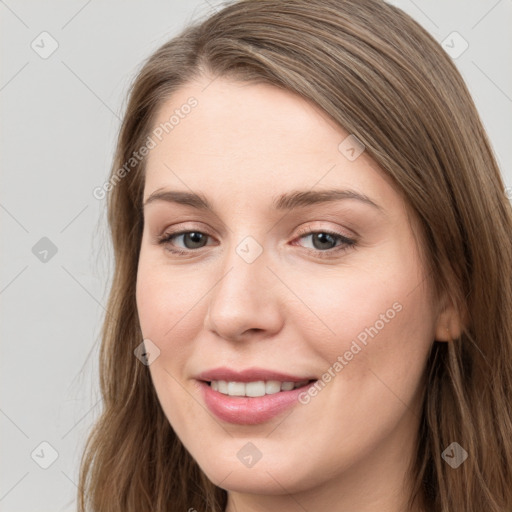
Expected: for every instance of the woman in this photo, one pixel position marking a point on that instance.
(245, 365)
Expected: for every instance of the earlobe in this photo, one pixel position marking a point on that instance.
(449, 323)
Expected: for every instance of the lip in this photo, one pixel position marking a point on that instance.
(249, 375)
(249, 410)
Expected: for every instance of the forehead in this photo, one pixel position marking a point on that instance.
(254, 139)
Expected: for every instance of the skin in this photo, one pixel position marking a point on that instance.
(291, 310)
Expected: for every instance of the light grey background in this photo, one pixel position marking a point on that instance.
(59, 120)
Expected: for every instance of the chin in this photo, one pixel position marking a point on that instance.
(270, 477)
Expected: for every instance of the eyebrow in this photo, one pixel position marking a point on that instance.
(288, 201)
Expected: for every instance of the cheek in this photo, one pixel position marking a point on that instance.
(398, 352)
(377, 317)
(164, 308)
(165, 300)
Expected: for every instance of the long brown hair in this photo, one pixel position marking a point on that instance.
(383, 78)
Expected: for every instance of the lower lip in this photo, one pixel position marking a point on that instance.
(244, 410)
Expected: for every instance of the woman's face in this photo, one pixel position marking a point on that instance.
(275, 288)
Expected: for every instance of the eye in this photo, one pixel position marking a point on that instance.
(194, 239)
(321, 238)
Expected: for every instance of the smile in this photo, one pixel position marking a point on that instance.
(255, 388)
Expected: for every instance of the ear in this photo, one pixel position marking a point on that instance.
(449, 323)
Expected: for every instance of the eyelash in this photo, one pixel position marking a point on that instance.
(346, 244)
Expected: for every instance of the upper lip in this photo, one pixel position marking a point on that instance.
(249, 375)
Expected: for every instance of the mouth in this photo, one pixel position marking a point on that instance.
(254, 389)
(243, 400)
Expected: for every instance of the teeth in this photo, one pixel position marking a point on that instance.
(272, 386)
(236, 388)
(254, 389)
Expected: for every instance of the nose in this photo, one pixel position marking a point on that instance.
(246, 300)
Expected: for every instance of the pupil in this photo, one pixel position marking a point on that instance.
(195, 237)
(322, 237)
